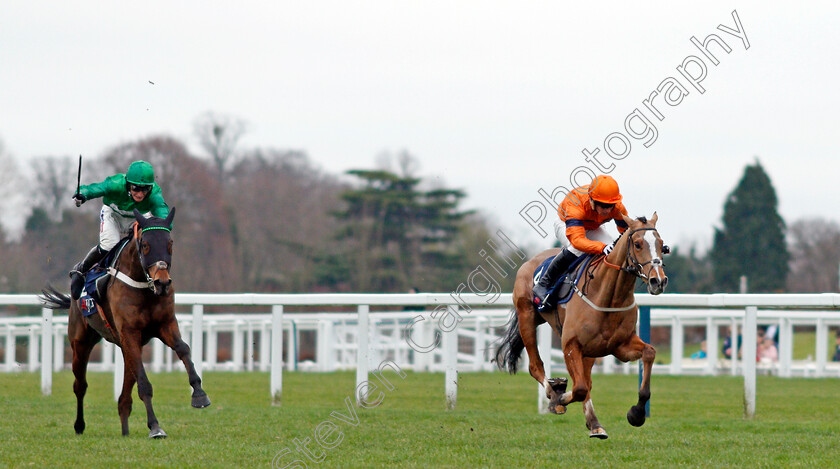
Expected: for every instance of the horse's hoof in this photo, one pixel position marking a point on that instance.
(558, 409)
(200, 402)
(636, 416)
(157, 433)
(599, 433)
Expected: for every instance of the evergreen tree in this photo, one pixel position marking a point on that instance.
(396, 236)
(752, 240)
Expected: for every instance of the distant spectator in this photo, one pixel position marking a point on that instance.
(700, 354)
(413, 307)
(727, 343)
(767, 352)
(836, 357)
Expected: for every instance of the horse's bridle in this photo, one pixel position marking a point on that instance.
(635, 267)
(161, 265)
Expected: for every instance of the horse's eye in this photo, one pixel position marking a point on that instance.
(637, 245)
(144, 246)
(169, 246)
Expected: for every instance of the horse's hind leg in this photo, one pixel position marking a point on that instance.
(595, 428)
(82, 341)
(634, 349)
(171, 336)
(528, 332)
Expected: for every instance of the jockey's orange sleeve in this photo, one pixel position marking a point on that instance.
(576, 211)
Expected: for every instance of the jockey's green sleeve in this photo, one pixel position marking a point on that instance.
(114, 193)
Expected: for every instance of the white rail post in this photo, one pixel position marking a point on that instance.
(785, 347)
(212, 341)
(157, 355)
(58, 348)
(749, 354)
(265, 345)
(325, 351)
(363, 351)
(291, 347)
(249, 360)
(197, 345)
(544, 333)
(107, 356)
(119, 370)
(450, 358)
(46, 351)
(10, 348)
(480, 343)
(822, 346)
(33, 348)
(711, 346)
(676, 345)
(276, 354)
(733, 337)
(237, 351)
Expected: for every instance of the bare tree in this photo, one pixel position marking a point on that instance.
(815, 256)
(11, 192)
(55, 182)
(219, 135)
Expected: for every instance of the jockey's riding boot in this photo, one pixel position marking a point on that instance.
(558, 267)
(77, 274)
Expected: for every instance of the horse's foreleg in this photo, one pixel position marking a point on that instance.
(171, 336)
(132, 349)
(124, 403)
(634, 349)
(575, 366)
(595, 428)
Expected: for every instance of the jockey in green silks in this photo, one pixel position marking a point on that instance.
(121, 194)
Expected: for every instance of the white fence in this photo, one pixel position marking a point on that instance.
(418, 340)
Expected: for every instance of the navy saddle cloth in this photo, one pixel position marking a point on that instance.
(561, 292)
(93, 292)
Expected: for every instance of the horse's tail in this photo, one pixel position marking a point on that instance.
(510, 346)
(54, 299)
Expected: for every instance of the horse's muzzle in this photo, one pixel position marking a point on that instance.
(655, 286)
(159, 272)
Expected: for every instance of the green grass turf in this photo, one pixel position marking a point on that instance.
(696, 422)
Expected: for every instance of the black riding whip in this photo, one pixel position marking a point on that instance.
(79, 181)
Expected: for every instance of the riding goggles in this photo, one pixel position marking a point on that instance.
(139, 188)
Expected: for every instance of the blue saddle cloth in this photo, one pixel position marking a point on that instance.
(91, 295)
(561, 292)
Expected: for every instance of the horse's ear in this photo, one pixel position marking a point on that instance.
(653, 219)
(139, 216)
(627, 219)
(168, 222)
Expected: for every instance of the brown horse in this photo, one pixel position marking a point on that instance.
(598, 321)
(132, 313)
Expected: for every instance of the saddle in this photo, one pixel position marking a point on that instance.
(561, 292)
(93, 294)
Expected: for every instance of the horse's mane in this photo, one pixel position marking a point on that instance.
(642, 219)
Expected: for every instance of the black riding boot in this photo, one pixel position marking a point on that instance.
(77, 275)
(554, 270)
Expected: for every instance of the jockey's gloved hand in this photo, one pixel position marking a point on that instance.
(79, 198)
(608, 248)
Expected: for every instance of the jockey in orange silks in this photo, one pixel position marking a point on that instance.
(579, 229)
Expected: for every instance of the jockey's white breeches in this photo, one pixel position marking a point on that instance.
(601, 234)
(112, 227)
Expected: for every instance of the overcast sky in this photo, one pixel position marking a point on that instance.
(497, 98)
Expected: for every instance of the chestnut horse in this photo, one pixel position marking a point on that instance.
(598, 321)
(132, 312)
